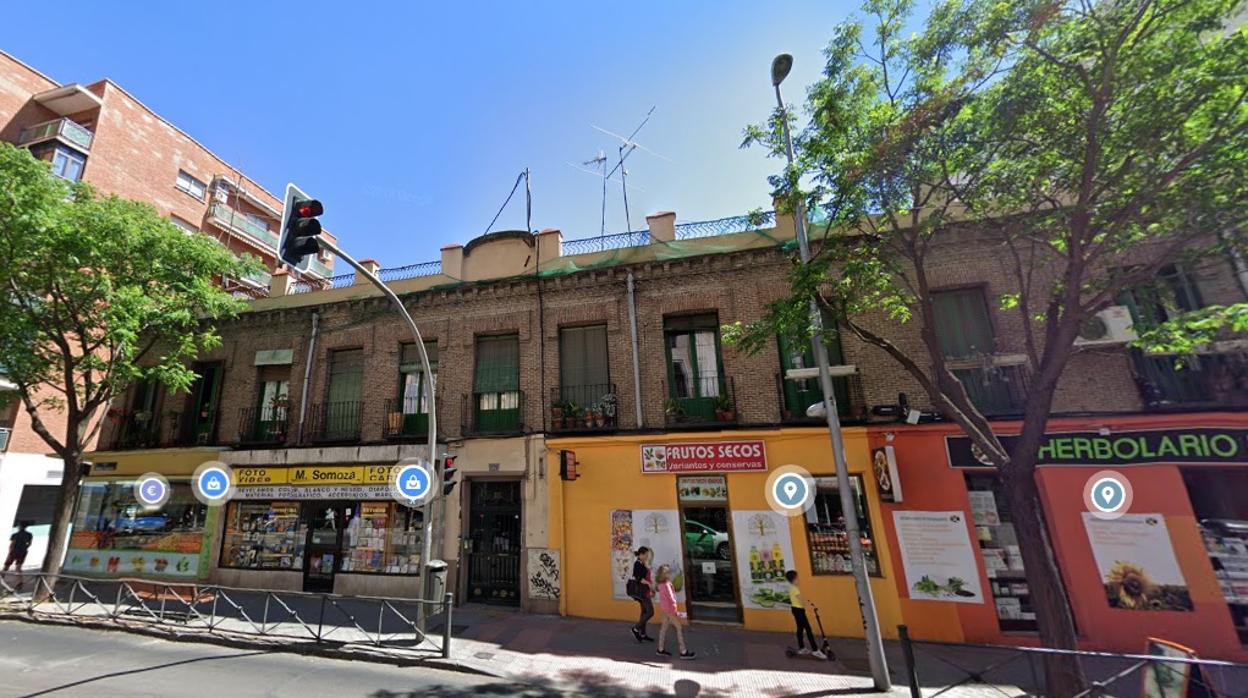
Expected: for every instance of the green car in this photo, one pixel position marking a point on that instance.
(702, 541)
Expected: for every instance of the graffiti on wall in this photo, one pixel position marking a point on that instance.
(544, 574)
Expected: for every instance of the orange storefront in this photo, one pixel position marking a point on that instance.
(1175, 566)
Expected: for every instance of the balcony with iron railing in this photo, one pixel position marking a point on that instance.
(997, 385)
(335, 422)
(63, 129)
(225, 217)
(1212, 379)
(269, 426)
(493, 413)
(583, 408)
(797, 396)
(701, 402)
(141, 429)
(406, 420)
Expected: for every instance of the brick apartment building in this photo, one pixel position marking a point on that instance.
(606, 354)
(100, 134)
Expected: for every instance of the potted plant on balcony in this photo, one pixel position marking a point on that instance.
(724, 410)
(572, 413)
(598, 416)
(674, 411)
(556, 414)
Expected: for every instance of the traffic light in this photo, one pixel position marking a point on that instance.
(567, 465)
(448, 474)
(299, 227)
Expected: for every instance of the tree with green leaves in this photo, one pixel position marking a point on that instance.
(97, 293)
(1081, 147)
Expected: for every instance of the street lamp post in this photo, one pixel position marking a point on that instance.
(435, 484)
(780, 67)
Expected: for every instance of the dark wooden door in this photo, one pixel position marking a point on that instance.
(494, 537)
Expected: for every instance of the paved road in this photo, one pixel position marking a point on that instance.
(39, 660)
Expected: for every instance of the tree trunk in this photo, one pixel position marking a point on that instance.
(66, 498)
(1063, 675)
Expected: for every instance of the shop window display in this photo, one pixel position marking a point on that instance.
(1223, 515)
(825, 529)
(264, 535)
(384, 538)
(1003, 562)
(109, 518)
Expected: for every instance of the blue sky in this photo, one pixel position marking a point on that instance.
(411, 122)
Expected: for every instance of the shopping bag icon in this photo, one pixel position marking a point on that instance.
(413, 483)
(213, 484)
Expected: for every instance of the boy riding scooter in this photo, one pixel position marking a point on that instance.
(816, 651)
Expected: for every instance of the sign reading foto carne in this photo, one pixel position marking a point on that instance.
(703, 457)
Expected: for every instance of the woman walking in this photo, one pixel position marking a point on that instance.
(641, 588)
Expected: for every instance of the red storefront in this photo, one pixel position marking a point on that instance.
(1174, 566)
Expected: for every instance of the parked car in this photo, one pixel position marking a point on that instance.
(702, 541)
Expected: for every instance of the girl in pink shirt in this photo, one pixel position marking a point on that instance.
(667, 602)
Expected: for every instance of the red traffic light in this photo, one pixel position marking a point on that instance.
(309, 208)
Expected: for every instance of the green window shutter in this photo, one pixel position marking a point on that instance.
(583, 357)
(497, 364)
(963, 328)
(346, 375)
(411, 376)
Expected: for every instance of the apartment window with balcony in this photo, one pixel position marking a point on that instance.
(585, 396)
(798, 395)
(964, 334)
(1168, 380)
(192, 186)
(258, 222)
(68, 164)
(412, 416)
(340, 415)
(267, 421)
(695, 374)
(496, 384)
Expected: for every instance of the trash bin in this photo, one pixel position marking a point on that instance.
(437, 579)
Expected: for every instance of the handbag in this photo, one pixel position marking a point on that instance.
(632, 588)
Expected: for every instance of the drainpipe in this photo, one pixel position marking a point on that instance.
(632, 327)
(1237, 261)
(307, 372)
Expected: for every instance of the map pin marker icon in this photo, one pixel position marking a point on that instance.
(790, 490)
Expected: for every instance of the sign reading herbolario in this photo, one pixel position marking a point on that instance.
(1197, 445)
(704, 457)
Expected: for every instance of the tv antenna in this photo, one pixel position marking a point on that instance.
(627, 147)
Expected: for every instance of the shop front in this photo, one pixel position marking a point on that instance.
(114, 536)
(323, 528)
(1173, 566)
(699, 502)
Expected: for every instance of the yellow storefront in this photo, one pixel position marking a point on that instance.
(698, 499)
(113, 536)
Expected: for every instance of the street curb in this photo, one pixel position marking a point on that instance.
(244, 642)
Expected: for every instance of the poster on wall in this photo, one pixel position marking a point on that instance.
(884, 466)
(1136, 563)
(657, 529)
(764, 553)
(937, 556)
(123, 563)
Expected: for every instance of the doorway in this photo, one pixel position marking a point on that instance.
(325, 521)
(494, 541)
(201, 425)
(710, 578)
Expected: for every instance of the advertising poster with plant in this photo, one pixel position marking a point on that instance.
(657, 529)
(1136, 562)
(764, 553)
(937, 556)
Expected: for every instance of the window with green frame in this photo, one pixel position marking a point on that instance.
(798, 395)
(1172, 293)
(496, 384)
(963, 326)
(272, 402)
(695, 374)
(1166, 378)
(413, 403)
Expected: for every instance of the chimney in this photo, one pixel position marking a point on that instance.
(279, 283)
(453, 261)
(372, 265)
(662, 226)
(549, 245)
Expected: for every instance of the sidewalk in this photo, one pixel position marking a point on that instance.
(601, 658)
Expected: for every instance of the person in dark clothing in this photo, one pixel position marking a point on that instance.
(19, 544)
(641, 588)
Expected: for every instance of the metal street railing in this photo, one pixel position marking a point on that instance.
(1006, 669)
(210, 609)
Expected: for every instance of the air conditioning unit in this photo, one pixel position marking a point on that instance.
(1112, 325)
